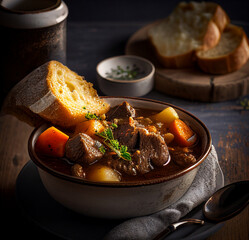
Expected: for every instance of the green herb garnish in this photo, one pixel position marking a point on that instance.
(245, 103)
(92, 116)
(106, 134)
(124, 74)
(114, 125)
(114, 145)
(102, 149)
(124, 153)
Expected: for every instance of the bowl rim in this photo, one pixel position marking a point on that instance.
(149, 75)
(140, 183)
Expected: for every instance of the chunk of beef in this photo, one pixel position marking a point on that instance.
(126, 133)
(122, 166)
(153, 147)
(78, 171)
(181, 157)
(82, 148)
(148, 147)
(142, 164)
(137, 165)
(124, 110)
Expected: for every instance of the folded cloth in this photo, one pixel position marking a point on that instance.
(209, 179)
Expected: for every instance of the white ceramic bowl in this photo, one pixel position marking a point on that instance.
(111, 84)
(122, 199)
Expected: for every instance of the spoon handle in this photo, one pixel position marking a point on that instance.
(165, 232)
(172, 227)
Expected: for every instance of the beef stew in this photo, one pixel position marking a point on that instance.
(126, 144)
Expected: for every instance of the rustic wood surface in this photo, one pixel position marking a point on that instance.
(88, 43)
(190, 83)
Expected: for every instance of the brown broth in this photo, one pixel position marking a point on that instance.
(64, 166)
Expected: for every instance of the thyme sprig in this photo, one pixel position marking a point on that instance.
(113, 144)
(102, 149)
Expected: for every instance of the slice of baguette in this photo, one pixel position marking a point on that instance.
(191, 26)
(231, 53)
(54, 93)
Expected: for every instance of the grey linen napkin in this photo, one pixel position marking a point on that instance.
(209, 179)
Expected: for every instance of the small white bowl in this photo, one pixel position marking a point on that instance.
(142, 84)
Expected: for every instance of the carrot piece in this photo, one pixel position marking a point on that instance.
(52, 142)
(81, 127)
(183, 134)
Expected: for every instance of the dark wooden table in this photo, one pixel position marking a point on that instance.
(89, 43)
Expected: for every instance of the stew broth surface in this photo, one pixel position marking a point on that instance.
(63, 165)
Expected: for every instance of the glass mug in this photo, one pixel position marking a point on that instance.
(32, 33)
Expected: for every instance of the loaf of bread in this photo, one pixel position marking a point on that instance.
(55, 94)
(191, 27)
(229, 55)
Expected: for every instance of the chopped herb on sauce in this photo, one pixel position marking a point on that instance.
(92, 116)
(124, 74)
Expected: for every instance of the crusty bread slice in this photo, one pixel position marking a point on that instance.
(191, 26)
(231, 53)
(54, 93)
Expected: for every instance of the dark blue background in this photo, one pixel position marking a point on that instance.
(141, 10)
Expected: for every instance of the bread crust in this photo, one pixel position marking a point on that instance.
(220, 18)
(210, 38)
(19, 98)
(179, 61)
(33, 100)
(230, 62)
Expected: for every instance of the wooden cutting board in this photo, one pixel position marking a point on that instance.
(191, 83)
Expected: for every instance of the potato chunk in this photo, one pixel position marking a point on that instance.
(166, 116)
(101, 173)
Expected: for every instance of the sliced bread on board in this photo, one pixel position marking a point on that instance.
(191, 26)
(54, 93)
(229, 55)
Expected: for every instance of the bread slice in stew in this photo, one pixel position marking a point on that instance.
(54, 93)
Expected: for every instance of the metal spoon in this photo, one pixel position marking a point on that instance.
(222, 205)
